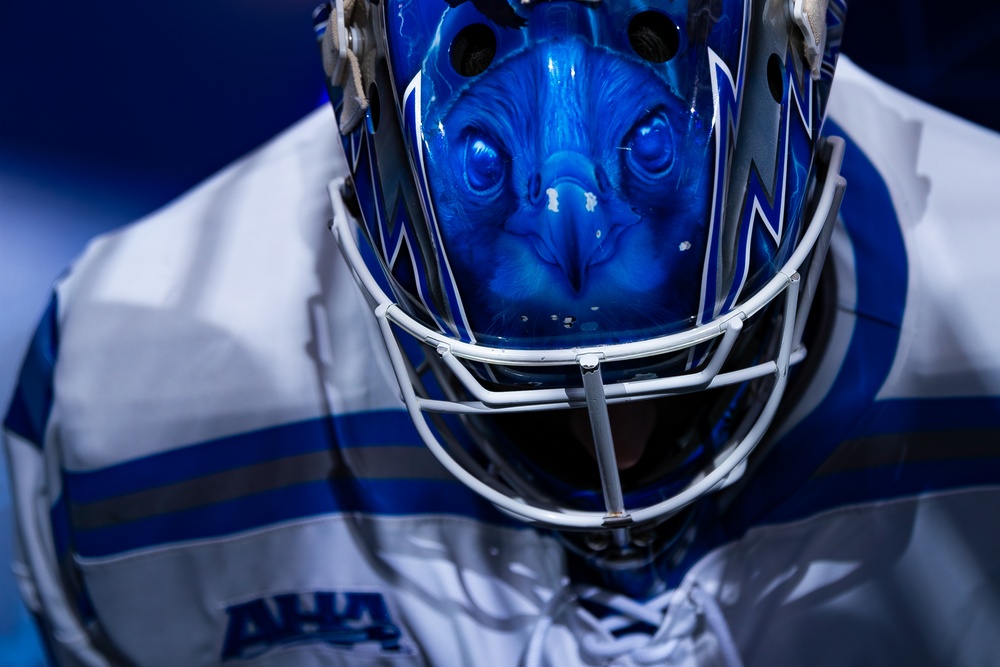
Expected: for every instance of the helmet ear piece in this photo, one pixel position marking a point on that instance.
(348, 48)
(810, 17)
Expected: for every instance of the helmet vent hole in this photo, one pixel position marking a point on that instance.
(776, 77)
(473, 50)
(653, 36)
(374, 106)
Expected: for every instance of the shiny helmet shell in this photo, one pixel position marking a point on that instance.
(548, 190)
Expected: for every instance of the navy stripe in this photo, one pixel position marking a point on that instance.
(61, 531)
(383, 497)
(886, 483)
(31, 404)
(899, 448)
(390, 427)
(934, 414)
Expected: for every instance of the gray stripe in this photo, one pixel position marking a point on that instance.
(887, 450)
(394, 463)
(358, 463)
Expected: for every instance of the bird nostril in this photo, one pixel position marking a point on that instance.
(535, 188)
(603, 182)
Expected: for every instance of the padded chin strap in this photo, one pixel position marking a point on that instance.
(349, 58)
(810, 17)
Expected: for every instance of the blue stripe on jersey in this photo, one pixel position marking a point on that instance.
(370, 430)
(881, 276)
(31, 405)
(389, 427)
(383, 497)
(877, 241)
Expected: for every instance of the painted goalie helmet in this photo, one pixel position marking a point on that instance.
(565, 210)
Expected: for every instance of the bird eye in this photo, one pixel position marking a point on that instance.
(650, 144)
(485, 163)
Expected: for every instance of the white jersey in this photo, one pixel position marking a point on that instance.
(212, 465)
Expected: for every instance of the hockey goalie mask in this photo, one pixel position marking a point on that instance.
(559, 205)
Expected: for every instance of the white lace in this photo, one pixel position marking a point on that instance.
(598, 642)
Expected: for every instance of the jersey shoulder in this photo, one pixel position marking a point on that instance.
(941, 173)
(210, 317)
(261, 207)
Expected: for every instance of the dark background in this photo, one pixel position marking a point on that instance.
(110, 109)
(167, 93)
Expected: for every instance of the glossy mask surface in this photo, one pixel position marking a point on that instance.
(573, 165)
(556, 194)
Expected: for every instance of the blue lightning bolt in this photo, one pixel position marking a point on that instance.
(759, 206)
(458, 323)
(390, 233)
(727, 100)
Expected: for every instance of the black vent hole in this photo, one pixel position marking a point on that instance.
(653, 36)
(776, 77)
(473, 50)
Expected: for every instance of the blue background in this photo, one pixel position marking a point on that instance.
(108, 110)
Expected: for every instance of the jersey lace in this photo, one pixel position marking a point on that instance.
(616, 637)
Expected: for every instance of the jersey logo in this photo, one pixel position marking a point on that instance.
(354, 621)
